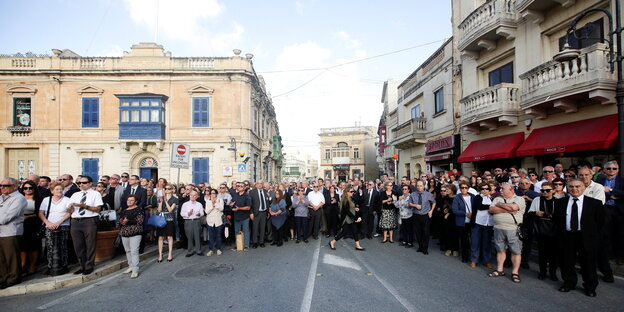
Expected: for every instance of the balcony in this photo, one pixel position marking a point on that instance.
(410, 133)
(341, 160)
(563, 86)
(488, 107)
(533, 10)
(491, 21)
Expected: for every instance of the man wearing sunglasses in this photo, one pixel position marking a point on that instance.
(614, 211)
(548, 176)
(69, 187)
(84, 208)
(12, 206)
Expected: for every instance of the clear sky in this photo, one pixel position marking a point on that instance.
(284, 36)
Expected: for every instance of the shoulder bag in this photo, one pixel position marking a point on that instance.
(521, 231)
(544, 226)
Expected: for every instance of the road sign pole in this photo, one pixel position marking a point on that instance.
(178, 184)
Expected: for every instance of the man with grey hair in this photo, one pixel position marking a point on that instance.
(12, 206)
(422, 204)
(548, 175)
(507, 210)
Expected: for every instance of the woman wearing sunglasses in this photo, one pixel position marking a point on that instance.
(559, 188)
(350, 216)
(168, 205)
(31, 242)
(542, 208)
(482, 227)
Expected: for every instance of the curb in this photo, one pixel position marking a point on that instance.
(68, 280)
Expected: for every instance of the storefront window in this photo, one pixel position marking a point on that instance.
(22, 116)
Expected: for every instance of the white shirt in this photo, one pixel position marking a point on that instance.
(468, 203)
(595, 190)
(579, 203)
(484, 217)
(93, 199)
(57, 211)
(316, 198)
(538, 186)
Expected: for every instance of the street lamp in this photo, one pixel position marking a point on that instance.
(615, 58)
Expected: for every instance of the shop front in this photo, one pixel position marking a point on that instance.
(441, 154)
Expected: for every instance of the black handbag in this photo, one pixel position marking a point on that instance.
(521, 231)
(544, 226)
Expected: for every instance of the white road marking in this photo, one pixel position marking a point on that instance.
(385, 284)
(81, 290)
(309, 291)
(341, 262)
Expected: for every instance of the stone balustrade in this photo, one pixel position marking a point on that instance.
(498, 102)
(480, 28)
(409, 131)
(92, 63)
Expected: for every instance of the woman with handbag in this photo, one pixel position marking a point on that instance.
(214, 222)
(31, 240)
(542, 208)
(53, 213)
(167, 205)
(131, 231)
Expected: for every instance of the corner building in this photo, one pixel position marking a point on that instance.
(101, 115)
(348, 153)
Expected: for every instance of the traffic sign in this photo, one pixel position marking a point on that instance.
(242, 167)
(180, 155)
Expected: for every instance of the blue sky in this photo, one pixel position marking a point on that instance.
(282, 35)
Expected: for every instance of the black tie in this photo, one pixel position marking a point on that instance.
(84, 198)
(574, 224)
(133, 190)
(370, 195)
(262, 202)
(419, 199)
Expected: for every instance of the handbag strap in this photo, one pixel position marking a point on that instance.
(514, 217)
(49, 207)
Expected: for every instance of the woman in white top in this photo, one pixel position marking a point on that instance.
(214, 222)
(482, 227)
(53, 213)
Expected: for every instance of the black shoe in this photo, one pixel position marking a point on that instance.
(541, 276)
(79, 272)
(279, 244)
(297, 241)
(87, 272)
(360, 249)
(425, 252)
(327, 236)
(3, 286)
(553, 277)
(565, 289)
(199, 253)
(189, 255)
(608, 279)
(305, 241)
(261, 245)
(330, 246)
(409, 245)
(315, 237)
(419, 250)
(590, 293)
(273, 243)
(369, 236)
(254, 246)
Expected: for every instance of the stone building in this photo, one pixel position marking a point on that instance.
(298, 166)
(348, 152)
(101, 115)
(521, 107)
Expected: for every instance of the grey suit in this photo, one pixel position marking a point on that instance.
(260, 212)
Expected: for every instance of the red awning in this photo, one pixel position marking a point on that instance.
(583, 135)
(492, 148)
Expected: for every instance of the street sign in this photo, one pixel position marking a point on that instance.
(242, 167)
(227, 171)
(180, 155)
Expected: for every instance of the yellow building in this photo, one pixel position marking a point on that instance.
(101, 115)
(521, 107)
(348, 153)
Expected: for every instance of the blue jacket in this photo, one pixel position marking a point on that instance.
(618, 191)
(459, 209)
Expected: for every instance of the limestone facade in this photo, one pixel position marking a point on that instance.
(348, 152)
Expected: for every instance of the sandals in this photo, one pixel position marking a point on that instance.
(515, 278)
(496, 274)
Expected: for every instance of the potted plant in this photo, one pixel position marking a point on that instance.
(106, 235)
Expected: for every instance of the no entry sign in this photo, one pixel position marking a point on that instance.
(180, 155)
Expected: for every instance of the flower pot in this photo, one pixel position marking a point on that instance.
(105, 249)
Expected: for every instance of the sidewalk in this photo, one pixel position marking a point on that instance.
(40, 283)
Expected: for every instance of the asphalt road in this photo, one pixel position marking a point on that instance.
(311, 277)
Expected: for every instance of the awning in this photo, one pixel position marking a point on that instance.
(439, 156)
(583, 135)
(492, 148)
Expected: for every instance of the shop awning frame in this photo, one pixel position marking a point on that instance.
(493, 148)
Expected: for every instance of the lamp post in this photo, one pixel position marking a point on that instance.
(396, 166)
(615, 58)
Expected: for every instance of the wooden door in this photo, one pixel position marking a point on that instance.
(23, 162)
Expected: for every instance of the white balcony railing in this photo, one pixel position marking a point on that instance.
(340, 160)
(498, 102)
(92, 63)
(492, 19)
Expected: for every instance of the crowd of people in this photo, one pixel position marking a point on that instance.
(493, 218)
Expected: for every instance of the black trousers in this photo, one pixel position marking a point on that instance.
(348, 228)
(407, 230)
(84, 236)
(301, 228)
(605, 244)
(331, 217)
(278, 234)
(547, 254)
(464, 241)
(316, 216)
(527, 242)
(573, 250)
(368, 222)
(421, 228)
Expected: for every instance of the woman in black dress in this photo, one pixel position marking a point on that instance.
(31, 241)
(331, 211)
(451, 238)
(350, 217)
(168, 206)
(388, 219)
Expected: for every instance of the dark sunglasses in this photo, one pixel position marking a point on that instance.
(168, 188)
(546, 190)
(610, 168)
(557, 183)
(101, 185)
(6, 185)
(84, 182)
(464, 187)
(63, 179)
(27, 188)
(352, 192)
(569, 176)
(485, 188)
(125, 176)
(549, 171)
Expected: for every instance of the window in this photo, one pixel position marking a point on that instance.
(22, 112)
(262, 123)
(439, 100)
(328, 174)
(501, 75)
(90, 112)
(254, 121)
(356, 153)
(590, 34)
(416, 111)
(141, 116)
(357, 173)
(200, 112)
(200, 170)
(90, 168)
(327, 154)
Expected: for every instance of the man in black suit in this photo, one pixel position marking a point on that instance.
(134, 188)
(369, 207)
(612, 238)
(578, 220)
(69, 187)
(259, 212)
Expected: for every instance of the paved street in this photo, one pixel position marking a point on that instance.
(311, 277)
